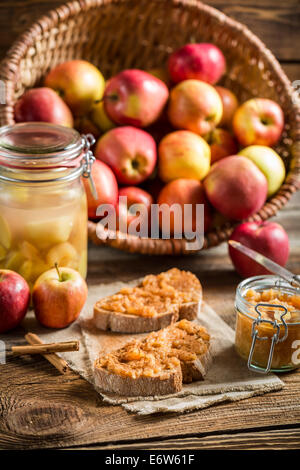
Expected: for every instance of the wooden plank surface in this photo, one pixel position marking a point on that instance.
(276, 23)
(41, 408)
(283, 439)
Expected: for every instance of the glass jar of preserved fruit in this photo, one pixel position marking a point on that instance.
(43, 208)
(268, 324)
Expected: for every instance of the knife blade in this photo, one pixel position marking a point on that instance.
(266, 262)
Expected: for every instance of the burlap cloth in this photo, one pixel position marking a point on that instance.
(228, 378)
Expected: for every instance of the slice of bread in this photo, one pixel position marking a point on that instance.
(156, 303)
(158, 364)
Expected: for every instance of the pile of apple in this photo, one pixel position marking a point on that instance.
(168, 135)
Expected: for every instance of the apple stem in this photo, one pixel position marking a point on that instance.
(58, 272)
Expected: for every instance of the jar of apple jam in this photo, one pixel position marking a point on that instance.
(43, 208)
(267, 332)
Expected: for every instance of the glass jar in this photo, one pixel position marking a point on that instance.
(43, 207)
(267, 331)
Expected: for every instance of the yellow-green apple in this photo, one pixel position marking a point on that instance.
(199, 61)
(58, 297)
(79, 83)
(236, 187)
(43, 104)
(183, 191)
(258, 121)
(128, 210)
(222, 144)
(269, 162)
(14, 299)
(96, 122)
(135, 97)
(195, 106)
(268, 238)
(183, 154)
(99, 117)
(106, 186)
(130, 153)
(230, 105)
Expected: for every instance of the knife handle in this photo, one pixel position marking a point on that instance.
(296, 280)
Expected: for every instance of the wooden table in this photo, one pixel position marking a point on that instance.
(40, 408)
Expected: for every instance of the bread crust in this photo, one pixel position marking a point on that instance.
(120, 322)
(125, 323)
(141, 386)
(190, 310)
(169, 382)
(196, 370)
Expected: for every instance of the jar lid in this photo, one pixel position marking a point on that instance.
(276, 287)
(37, 138)
(36, 147)
(36, 144)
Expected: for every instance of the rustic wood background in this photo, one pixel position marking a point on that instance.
(40, 408)
(275, 22)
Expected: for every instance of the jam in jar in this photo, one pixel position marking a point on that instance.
(268, 324)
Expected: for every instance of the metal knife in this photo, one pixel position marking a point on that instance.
(274, 268)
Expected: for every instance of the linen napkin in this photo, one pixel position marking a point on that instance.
(228, 378)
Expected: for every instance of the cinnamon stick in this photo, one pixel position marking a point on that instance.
(59, 363)
(46, 348)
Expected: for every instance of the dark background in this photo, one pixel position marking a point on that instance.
(276, 22)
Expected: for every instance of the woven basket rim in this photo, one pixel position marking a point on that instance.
(9, 66)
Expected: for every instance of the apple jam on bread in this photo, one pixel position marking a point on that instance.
(158, 364)
(155, 303)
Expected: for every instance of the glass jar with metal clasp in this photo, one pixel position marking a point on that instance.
(43, 207)
(268, 324)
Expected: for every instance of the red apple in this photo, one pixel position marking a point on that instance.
(268, 238)
(184, 191)
(135, 97)
(43, 104)
(258, 122)
(195, 106)
(106, 185)
(140, 199)
(230, 104)
(222, 144)
(14, 299)
(58, 297)
(236, 187)
(202, 61)
(130, 153)
(79, 83)
(183, 154)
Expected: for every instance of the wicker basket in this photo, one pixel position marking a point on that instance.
(120, 34)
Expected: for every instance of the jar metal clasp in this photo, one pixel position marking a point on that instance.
(87, 161)
(275, 338)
